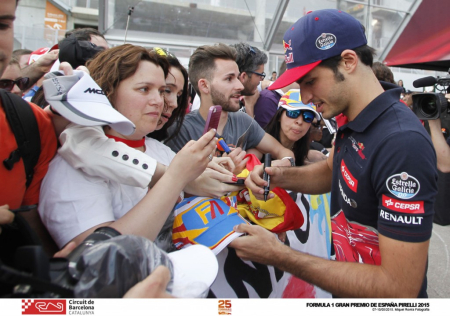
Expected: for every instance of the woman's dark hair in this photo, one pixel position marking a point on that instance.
(301, 147)
(179, 113)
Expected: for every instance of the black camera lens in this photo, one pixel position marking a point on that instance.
(429, 106)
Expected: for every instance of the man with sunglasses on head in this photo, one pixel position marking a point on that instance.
(251, 63)
(382, 200)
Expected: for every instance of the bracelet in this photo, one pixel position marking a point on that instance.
(291, 160)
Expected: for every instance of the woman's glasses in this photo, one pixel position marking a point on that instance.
(308, 116)
(8, 84)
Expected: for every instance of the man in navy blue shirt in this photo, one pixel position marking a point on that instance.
(382, 173)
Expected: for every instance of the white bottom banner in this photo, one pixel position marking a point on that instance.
(235, 307)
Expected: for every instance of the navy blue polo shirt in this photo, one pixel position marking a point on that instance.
(384, 170)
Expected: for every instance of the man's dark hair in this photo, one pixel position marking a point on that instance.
(365, 54)
(249, 58)
(203, 61)
(84, 34)
(383, 72)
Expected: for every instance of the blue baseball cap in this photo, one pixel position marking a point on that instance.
(292, 101)
(317, 36)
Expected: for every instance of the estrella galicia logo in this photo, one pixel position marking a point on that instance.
(403, 185)
(93, 90)
(326, 41)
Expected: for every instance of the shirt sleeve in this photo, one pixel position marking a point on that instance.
(87, 148)
(73, 202)
(405, 180)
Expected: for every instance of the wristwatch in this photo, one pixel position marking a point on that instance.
(291, 160)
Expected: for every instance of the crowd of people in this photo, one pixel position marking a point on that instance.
(98, 175)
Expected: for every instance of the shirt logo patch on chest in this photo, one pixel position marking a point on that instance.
(349, 179)
(358, 147)
(403, 186)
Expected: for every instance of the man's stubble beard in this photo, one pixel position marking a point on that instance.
(220, 99)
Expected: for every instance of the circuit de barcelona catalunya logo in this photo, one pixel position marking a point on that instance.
(403, 185)
(43, 307)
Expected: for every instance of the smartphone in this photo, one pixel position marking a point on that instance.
(212, 121)
(240, 181)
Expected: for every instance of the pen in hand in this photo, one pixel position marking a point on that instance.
(266, 177)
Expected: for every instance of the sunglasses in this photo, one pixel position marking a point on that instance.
(251, 51)
(308, 116)
(317, 125)
(262, 75)
(9, 84)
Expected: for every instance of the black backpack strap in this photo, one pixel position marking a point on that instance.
(26, 131)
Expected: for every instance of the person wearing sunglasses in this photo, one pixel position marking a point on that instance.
(291, 126)
(11, 80)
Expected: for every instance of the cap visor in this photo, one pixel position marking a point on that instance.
(194, 266)
(292, 75)
(89, 114)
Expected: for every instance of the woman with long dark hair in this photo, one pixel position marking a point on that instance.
(291, 126)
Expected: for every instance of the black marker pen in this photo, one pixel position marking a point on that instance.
(266, 177)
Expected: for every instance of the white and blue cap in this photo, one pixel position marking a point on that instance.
(292, 101)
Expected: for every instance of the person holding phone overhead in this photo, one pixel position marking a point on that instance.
(214, 73)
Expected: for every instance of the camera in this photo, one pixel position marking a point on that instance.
(66, 272)
(32, 274)
(431, 106)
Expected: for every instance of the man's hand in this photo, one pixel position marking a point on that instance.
(256, 183)
(153, 286)
(259, 245)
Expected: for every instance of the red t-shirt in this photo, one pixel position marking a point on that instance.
(13, 190)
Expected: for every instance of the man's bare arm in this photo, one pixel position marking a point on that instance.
(400, 274)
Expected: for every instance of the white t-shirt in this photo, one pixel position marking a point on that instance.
(72, 201)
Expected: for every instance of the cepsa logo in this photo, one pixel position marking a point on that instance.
(43, 307)
(224, 307)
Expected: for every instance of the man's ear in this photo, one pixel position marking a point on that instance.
(349, 60)
(243, 76)
(203, 86)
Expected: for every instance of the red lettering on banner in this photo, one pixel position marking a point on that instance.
(415, 207)
(352, 183)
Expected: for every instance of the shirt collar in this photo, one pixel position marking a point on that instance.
(375, 108)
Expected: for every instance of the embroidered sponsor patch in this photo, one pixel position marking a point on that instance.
(349, 179)
(415, 207)
(326, 41)
(403, 185)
